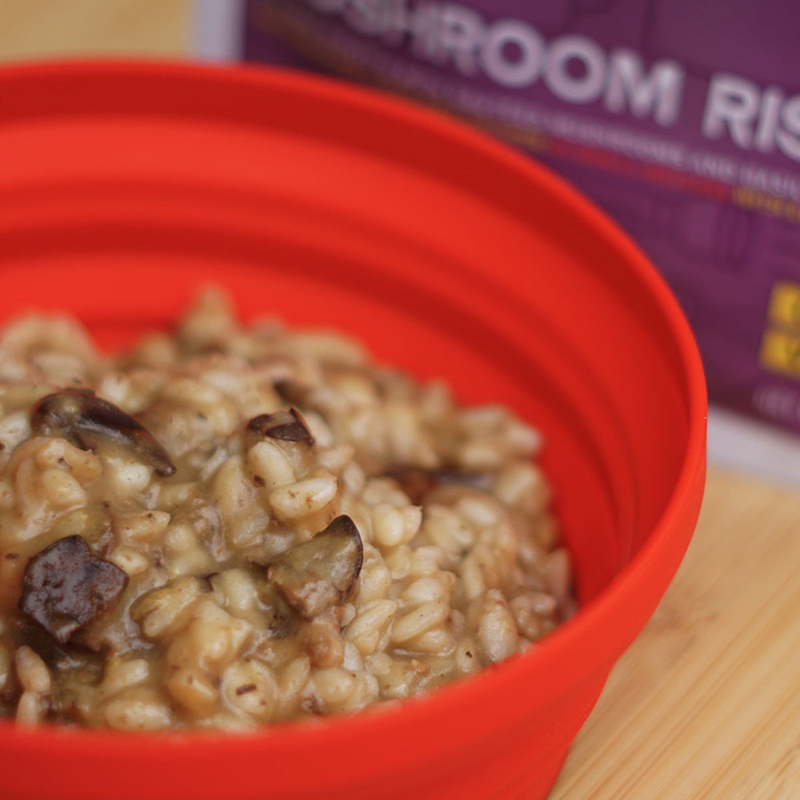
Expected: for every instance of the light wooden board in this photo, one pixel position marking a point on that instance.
(706, 703)
(37, 29)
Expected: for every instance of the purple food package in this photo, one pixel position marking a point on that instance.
(681, 118)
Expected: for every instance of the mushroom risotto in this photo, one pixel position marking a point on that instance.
(236, 526)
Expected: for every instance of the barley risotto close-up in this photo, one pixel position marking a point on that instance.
(234, 525)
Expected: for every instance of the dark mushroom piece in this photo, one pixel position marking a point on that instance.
(418, 483)
(321, 572)
(285, 426)
(91, 423)
(65, 586)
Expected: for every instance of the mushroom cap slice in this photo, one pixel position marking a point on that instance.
(320, 573)
(286, 426)
(91, 423)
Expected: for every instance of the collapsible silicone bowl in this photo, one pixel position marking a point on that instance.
(125, 186)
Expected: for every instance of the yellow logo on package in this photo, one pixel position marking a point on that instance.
(780, 344)
(780, 352)
(784, 305)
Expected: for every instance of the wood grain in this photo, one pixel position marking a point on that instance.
(706, 703)
(38, 29)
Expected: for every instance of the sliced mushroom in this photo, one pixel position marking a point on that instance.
(281, 620)
(321, 572)
(65, 586)
(286, 426)
(91, 423)
(418, 483)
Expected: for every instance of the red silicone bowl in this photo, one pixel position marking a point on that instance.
(124, 186)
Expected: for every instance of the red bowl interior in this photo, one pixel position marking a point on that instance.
(124, 187)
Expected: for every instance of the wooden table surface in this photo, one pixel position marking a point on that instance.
(706, 703)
